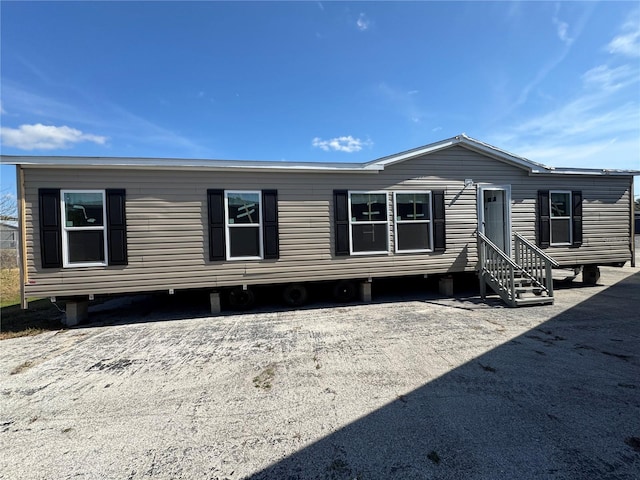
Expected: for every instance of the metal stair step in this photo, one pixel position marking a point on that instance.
(533, 301)
(529, 289)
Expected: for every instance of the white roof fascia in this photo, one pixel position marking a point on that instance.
(416, 152)
(180, 164)
(590, 171)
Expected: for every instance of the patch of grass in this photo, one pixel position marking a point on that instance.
(9, 286)
(264, 380)
(42, 316)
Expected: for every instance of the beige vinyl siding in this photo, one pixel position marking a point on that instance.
(167, 223)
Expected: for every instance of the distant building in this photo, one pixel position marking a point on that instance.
(8, 235)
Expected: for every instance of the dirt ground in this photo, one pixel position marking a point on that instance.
(403, 388)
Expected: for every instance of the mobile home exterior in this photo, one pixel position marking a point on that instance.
(93, 226)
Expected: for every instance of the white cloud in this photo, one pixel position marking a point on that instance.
(627, 43)
(585, 132)
(609, 78)
(613, 153)
(46, 137)
(562, 28)
(340, 144)
(599, 127)
(363, 23)
(124, 128)
(562, 31)
(588, 114)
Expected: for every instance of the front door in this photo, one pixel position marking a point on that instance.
(494, 215)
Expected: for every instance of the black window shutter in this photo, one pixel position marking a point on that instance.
(576, 215)
(271, 244)
(439, 226)
(215, 203)
(544, 223)
(117, 227)
(341, 222)
(50, 228)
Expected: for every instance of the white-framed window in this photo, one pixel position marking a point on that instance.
(368, 222)
(560, 217)
(84, 231)
(413, 225)
(243, 218)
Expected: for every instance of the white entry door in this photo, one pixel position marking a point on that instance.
(494, 215)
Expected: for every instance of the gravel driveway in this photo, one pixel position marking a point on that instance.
(429, 388)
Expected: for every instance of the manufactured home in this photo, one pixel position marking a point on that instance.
(93, 226)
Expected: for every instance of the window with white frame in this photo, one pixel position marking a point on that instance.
(368, 221)
(413, 231)
(243, 216)
(560, 217)
(84, 238)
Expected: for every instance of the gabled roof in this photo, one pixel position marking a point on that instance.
(374, 166)
(494, 152)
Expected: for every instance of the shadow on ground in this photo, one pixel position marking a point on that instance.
(561, 401)
(143, 308)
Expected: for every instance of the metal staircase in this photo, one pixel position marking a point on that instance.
(524, 280)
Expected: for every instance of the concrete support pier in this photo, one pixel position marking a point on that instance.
(214, 300)
(77, 312)
(445, 286)
(365, 291)
(590, 274)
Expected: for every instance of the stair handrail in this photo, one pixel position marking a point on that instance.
(533, 261)
(536, 249)
(505, 280)
(498, 250)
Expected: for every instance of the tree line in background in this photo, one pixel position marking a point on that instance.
(8, 206)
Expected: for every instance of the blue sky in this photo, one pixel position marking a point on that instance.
(558, 83)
